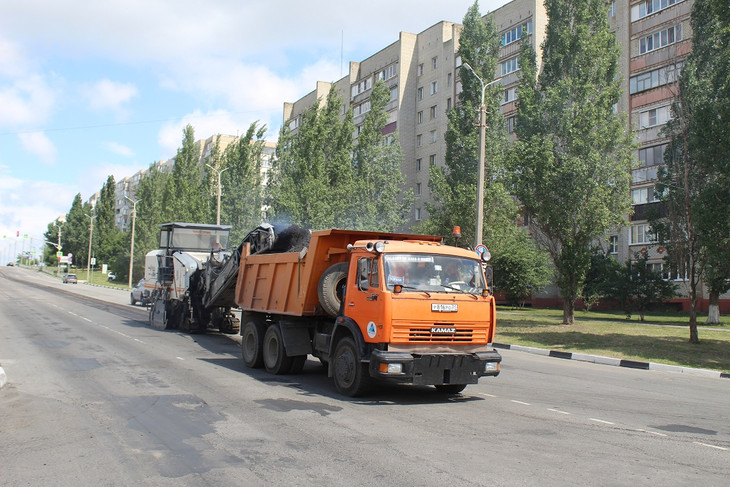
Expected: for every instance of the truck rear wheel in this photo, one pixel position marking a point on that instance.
(276, 361)
(352, 377)
(252, 344)
(331, 286)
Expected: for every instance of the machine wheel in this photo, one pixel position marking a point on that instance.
(131, 300)
(352, 377)
(229, 324)
(252, 344)
(159, 314)
(297, 364)
(450, 388)
(331, 288)
(276, 361)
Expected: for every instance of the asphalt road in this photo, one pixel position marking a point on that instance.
(96, 397)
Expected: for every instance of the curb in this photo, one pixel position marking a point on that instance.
(597, 359)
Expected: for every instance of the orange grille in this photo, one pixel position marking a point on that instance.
(423, 333)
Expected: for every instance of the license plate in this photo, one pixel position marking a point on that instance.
(444, 308)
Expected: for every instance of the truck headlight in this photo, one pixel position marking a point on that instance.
(491, 367)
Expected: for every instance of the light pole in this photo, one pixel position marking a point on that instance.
(480, 176)
(131, 250)
(218, 210)
(88, 259)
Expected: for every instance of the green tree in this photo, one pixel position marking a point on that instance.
(454, 187)
(108, 238)
(603, 279)
(185, 199)
(311, 178)
(149, 194)
(242, 198)
(693, 184)
(572, 162)
(76, 232)
(378, 202)
(642, 287)
(519, 268)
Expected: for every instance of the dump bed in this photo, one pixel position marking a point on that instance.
(286, 283)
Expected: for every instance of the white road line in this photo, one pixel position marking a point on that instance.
(601, 421)
(485, 394)
(72, 313)
(651, 432)
(520, 402)
(179, 358)
(558, 411)
(85, 318)
(711, 446)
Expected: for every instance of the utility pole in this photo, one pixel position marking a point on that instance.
(218, 208)
(88, 259)
(131, 250)
(60, 220)
(480, 176)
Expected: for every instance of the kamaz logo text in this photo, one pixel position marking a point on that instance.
(442, 330)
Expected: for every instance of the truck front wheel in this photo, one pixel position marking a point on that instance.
(352, 377)
(252, 344)
(276, 361)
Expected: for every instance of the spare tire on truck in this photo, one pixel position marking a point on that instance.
(331, 288)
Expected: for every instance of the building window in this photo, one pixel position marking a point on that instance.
(648, 7)
(394, 93)
(448, 103)
(434, 87)
(655, 116)
(449, 79)
(419, 94)
(420, 69)
(362, 87)
(435, 62)
(418, 214)
(652, 156)
(510, 66)
(418, 164)
(432, 159)
(511, 124)
(653, 79)
(419, 117)
(432, 137)
(388, 72)
(640, 234)
(433, 112)
(660, 39)
(510, 94)
(613, 244)
(516, 34)
(419, 140)
(361, 108)
(642, 196)
(457, 61)
(418, 189)
(612, 9)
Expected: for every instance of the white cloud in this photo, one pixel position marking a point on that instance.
(25, 101)
(120, 149)
(40, 146)
(111, 95)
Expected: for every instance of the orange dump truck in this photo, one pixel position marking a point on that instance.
(370, 306)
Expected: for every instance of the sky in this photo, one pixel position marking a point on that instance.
(94, 88)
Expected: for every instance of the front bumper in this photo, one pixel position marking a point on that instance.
(434, 369)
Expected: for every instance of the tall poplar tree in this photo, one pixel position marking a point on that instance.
(311, 177)
(149, 194)
(108, 237)
(242, 198)
(572, 161)
(378, 202)
(185, 198)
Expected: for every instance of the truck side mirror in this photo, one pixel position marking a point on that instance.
(363, 274)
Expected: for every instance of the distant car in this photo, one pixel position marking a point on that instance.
(10, 264)
(139, 294)
(70, 279)
(111, 276)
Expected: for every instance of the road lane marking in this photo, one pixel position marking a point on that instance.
(651, 432)
(179, 358)
(485, 394)
(558, 411)
(711, 446)
(520, 402)
(85, 318)
(601, 421)
(72, 313)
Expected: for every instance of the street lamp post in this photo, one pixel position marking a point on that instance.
(88, 259)
(480, 176)
(131, 250)
(218, 208)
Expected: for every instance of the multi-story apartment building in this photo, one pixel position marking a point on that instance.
(422, 71)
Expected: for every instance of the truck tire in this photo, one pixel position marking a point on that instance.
(331, 288)
(276, 361)
(352, 377)
(252, 344)
(450, 388)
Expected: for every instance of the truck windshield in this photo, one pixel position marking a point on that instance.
(198, 239)
(433, 273)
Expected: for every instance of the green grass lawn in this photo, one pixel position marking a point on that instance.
(661, 338)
